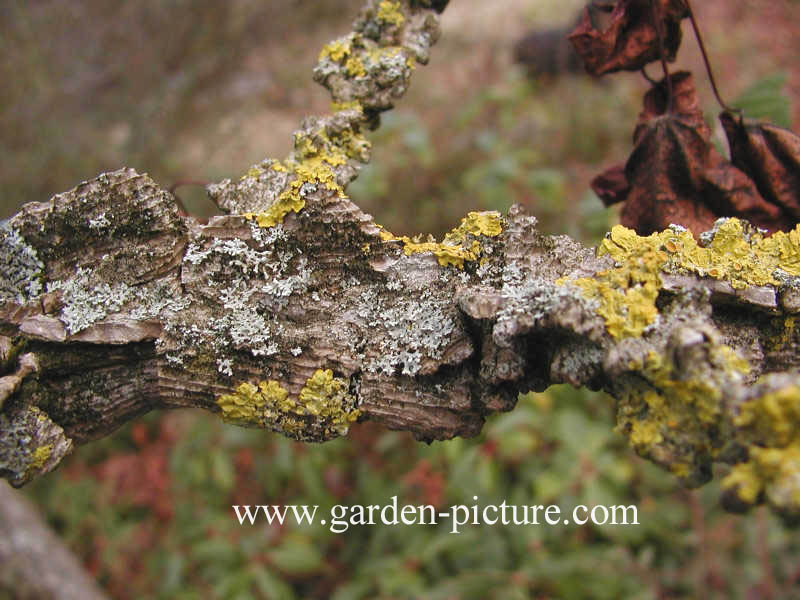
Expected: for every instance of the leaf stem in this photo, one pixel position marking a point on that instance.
(649, 79)
(656, 14)
(706, 61)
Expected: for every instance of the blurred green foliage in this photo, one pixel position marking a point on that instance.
(765, 99)
(150, 511)
(511, 142)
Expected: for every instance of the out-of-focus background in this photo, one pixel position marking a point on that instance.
(200, 90)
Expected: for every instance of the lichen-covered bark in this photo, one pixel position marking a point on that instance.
(296, 313)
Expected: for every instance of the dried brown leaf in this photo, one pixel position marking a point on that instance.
(629, 40)
(611, 186)
(770, 156)
(677, 176)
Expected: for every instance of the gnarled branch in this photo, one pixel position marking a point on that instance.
(296, 313)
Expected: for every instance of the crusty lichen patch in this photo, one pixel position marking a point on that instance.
(460, 245)
(366, 72)
(22, 271)
(732, 252)
(626, 296)
(675, 416)
(87, 301)
(312, 166)
(323, 409)
(327, 397)
(30, 443)
(390, 13)
(770, 425)
(40, 456)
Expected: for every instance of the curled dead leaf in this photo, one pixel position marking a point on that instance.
(676, 176)
(770, 156)
(611, 186)
(628, 39)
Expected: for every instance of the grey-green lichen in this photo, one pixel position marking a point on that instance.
(365, 72)
(250, 281)
(324, 408)
(87, 301)
(30, 444)
(414, 328)
(21, 270)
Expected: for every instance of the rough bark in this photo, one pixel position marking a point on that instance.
(296, 313)
(34, 563)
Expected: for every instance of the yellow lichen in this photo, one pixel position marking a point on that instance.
(246, 405)
(774, 418)
(304, 146)
(253, 172)
(312, 170)
(342, 52)
(355, 67)
(626, 295)
(458, 245)
(336, 50)
(681, 470)
(327, 397)
(731, 256)
(677, 416)
(379, 54)
(446, 254)
(351, 105)
(769, 470)
(324, 399)
(745, 479)
(313, 160)
(390, 13)
(477, 223)
(645, 433)
(40, 457)
(277, 211)
(770, 427)
(668, 413)
(786, 332)
(386, 235)
(353, 144)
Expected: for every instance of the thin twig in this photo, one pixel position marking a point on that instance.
(707, 63)
(649, 79)
(656, 14)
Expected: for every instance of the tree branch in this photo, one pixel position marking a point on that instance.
(34, 563)
(296, 313)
